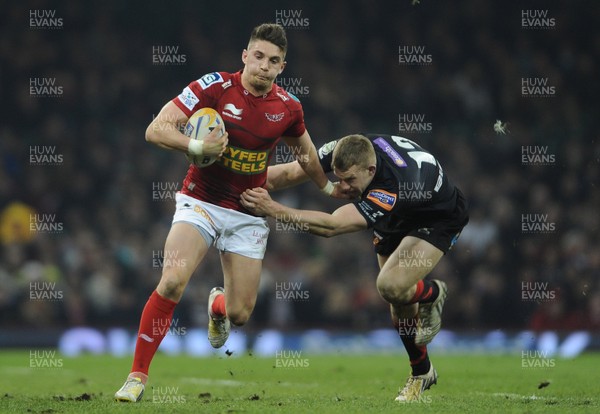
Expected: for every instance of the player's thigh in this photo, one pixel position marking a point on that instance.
(381, 260)
(184, 248)
(412, 260)
(241, 277)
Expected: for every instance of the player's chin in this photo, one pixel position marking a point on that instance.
(262, 82)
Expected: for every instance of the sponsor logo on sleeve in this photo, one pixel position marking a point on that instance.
(188, 98)
(209, 79)
(383, 199)
(326, 149)
(391, 152)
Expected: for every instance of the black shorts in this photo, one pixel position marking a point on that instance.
(442, 233)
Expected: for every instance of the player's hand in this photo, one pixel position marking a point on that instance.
(257, 200)
(339, 193)
(214, 143)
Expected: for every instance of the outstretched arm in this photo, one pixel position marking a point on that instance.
(308, 160)
(286, 175)
(345, 219)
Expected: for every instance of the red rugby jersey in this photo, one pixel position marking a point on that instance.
(254, 124)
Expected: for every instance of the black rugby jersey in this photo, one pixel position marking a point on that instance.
(409, 184)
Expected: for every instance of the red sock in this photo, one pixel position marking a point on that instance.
(157, 313)
(218, 306)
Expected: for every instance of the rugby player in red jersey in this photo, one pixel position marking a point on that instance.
(257, 113)
(416, 214)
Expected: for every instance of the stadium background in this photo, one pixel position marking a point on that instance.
(106, 198)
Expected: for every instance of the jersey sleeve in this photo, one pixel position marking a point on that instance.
(297, 127)
(377, 205)
(326, 155)
(200, 93)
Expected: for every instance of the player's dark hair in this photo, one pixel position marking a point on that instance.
(353, 150)
(270, 32)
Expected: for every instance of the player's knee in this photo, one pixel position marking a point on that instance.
(239, 315)
(392, 289)
(171, 287)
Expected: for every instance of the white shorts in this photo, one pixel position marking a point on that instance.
(230, 231)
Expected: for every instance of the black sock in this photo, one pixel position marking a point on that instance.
(429, 292)
(419, 358)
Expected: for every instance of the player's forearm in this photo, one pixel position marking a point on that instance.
(315, 222)
(312, 168)
(286, 175)
(166, 135)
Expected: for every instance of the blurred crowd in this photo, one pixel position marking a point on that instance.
(105, 205)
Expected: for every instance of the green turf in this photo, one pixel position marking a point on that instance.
(322, 384)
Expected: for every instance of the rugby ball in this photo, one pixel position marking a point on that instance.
(200, 124)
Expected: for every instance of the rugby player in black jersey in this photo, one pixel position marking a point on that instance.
(400, 191)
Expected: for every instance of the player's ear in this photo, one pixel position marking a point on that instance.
(244, 56)
(282, 67)
(372, 169)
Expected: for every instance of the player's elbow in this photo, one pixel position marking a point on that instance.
(151, 133)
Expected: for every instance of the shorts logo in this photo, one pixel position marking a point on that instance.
(391, 152)
(204, 214)
(209, 79)
(383, 199)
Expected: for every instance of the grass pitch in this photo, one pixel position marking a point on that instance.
(310, 384)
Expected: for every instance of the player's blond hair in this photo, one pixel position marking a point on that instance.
(353, 150)
(270, 32)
